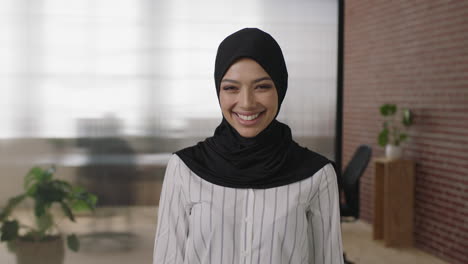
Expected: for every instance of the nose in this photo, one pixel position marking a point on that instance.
(247, 98)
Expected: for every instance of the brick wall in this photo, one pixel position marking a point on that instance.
(415, 54)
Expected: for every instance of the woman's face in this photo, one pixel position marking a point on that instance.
(248, 97)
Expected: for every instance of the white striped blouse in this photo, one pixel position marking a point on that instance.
(200, 222)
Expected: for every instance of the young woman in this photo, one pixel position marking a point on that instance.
(249, 193)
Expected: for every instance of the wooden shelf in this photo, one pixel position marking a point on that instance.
(394, 202)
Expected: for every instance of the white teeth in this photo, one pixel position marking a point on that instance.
(252, 117)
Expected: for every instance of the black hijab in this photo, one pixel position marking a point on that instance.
(269, 159)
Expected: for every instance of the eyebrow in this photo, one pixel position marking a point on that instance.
(254, 81)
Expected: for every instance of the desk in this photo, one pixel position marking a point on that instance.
(394, 202)
(158, 160)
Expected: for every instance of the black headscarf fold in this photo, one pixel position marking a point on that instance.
(269, 159)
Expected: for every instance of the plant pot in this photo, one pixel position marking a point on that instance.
(393, 152)
(51, 251)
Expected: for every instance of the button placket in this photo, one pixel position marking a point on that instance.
(248, 221)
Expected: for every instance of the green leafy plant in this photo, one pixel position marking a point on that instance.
(392, 132)
(45, 191)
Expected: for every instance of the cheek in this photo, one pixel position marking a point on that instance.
(225, 102)
(271, 102)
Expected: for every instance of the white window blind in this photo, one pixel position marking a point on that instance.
(150, 64)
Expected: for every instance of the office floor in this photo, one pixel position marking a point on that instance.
(360, 248)
(125, 235)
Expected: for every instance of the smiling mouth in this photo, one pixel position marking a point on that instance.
(249, 117)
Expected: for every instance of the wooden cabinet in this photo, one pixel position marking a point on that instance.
(394, 202)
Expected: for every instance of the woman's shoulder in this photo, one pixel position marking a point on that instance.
(173, 160)
(177, 172)
(176, 161)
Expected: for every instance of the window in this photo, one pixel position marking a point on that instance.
(150, 64)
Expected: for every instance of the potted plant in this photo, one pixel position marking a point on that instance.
(42, 241)
(393, 134)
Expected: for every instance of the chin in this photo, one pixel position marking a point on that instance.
(248, 133)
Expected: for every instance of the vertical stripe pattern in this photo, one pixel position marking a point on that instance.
(295, 223)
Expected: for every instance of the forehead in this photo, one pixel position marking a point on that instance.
(245, 68)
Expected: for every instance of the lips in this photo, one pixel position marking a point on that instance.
(248, 119)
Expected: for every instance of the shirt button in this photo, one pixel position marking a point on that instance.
(245, 253)
(248, 219)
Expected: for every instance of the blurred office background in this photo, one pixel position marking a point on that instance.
(107, 90)
(80, 78)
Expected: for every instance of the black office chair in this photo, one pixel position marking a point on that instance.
(349, 184)
(350, 181)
